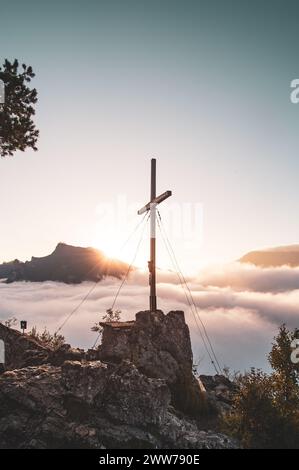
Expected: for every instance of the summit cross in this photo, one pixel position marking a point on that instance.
(151, 207)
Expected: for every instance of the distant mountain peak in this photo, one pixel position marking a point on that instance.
(287, 255)
(67, 263)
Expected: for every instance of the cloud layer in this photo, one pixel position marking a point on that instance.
(241, 277)
(241, 306)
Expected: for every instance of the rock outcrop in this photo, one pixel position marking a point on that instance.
(220, 391)
(136, 391)
(93, 405)
(159, 345)
(23, 350)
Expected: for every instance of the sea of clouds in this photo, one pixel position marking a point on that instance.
(241, 306)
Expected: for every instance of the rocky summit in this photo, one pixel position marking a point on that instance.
(137, 390)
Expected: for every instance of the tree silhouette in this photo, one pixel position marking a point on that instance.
(17, 129)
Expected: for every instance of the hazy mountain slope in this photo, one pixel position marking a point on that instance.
(67, 263)
(277, 256)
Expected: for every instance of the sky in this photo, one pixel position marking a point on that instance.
(203, 86)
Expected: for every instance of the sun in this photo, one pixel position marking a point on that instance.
(109, 246)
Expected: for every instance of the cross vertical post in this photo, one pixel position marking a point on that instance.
(151, 207)
(152, 263)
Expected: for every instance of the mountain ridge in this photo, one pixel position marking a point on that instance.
(286, 255)
(67, 263)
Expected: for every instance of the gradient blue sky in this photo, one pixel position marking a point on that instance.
(202, 85)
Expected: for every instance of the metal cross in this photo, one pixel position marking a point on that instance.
(151, 206)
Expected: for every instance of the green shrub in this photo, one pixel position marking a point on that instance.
(54, 341)
(266, 408)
